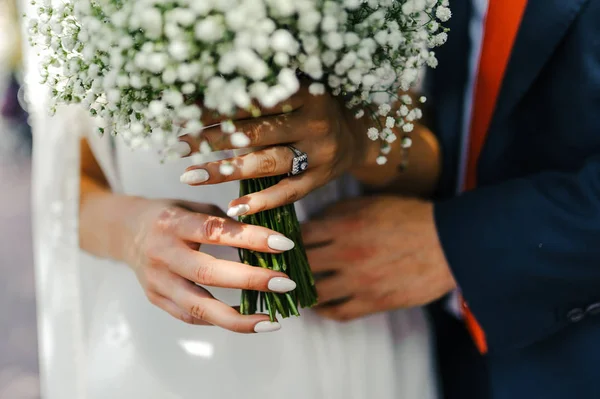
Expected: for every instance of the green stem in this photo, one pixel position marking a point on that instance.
(293, 262)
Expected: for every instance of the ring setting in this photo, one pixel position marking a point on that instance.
(300, 161)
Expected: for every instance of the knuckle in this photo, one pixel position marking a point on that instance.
(386, 300)
(238, 327)
(152, 297)
(253, 134)
(204, 275)
(331, 150)
(212, 228)
(254, 241)
(154, 254)
(343, 316)
(166, 219)
(186, 318)
(290, 193)
(367, 277)
(198, 311)
(321, 127)
(267, 164)
(253, 280)
(151, 279)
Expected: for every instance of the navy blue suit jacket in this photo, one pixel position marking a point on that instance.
(525, 245)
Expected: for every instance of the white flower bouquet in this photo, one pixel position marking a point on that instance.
(150, 68)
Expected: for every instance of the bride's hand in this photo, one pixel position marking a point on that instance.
(164, 254)
(318, 126)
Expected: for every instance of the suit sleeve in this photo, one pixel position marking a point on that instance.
(526, 252)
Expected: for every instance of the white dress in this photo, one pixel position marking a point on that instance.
(137, 350)
(100, 338)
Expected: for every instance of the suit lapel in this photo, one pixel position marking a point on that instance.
(544, 24)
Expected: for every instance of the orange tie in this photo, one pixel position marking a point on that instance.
(501, 27)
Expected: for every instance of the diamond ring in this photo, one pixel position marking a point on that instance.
(300, 161)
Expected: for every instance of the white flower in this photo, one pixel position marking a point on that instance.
(384, 109)
(205, 148)
(239, 140)
(141, 67)
(226, 169)
(151, 22)
(173, 98)
(283, 41)
(313, 67)
(189, 112)
(156, 108)
(316, 89)
(334, 40)
(179, 50)
(390, 122)
(351, 39)
(439, 39)
(443, 13)
(282, 59)
(209, 29)
(227, 127)
(329, 23)
(381, 160)
(432, 61)
(329, 58)
(373, 133)
(287, 78)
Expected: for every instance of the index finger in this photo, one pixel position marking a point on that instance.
(207, 229)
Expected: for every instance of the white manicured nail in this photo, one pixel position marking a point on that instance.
(280, 243)
(267, 326)
(281, 285)
(182, 149)
(237, 210)
(195, 176)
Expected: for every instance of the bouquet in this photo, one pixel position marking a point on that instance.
(150, 68)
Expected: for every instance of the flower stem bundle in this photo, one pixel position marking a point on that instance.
(294, 262)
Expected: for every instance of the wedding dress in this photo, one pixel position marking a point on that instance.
(100, 338)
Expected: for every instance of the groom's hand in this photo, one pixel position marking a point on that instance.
(376, 254)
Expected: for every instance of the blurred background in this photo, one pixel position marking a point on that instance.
(18, 343)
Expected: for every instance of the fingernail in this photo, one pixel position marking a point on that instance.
(280, 243)
(182, 148)
(194, 176)
(237, 210)
(267, 326)
(281, 285)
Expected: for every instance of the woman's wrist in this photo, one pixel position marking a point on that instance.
(109, 223)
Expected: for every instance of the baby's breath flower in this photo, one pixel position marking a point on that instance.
(373, 133)
(384, 109)
(390, 122)
(239, 139)
(316, 89)
(226, 169)
(443, 13)
(141, 66)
